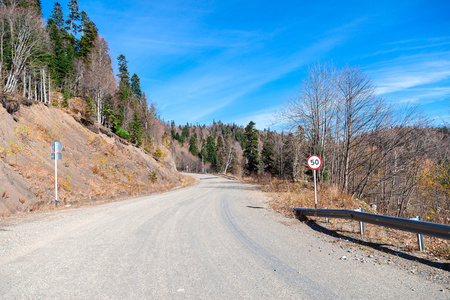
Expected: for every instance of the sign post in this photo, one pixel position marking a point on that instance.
(56, 148)
(314, 162)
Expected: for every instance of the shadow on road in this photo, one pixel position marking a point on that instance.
(381, 247)
(255, 207)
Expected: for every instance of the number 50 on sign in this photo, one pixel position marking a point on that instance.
(314, 162)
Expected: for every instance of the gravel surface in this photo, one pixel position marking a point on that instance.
(217, 240)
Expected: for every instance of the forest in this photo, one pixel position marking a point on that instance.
(384, 156)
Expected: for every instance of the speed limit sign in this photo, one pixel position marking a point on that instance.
(314, 162)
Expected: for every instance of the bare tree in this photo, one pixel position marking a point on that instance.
(360, 112)
(99, 78)
(314, 106)
(26, 39)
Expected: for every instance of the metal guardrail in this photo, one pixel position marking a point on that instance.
(419, 227)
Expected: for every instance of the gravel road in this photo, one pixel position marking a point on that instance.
(216, 240)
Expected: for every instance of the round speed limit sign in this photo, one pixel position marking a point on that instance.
(314, 162)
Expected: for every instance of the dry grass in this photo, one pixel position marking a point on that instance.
(286, 194)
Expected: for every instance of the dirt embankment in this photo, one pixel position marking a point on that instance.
(95, 165)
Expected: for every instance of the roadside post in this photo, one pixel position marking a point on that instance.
(56, 149)
(419, 236)
(314, 163)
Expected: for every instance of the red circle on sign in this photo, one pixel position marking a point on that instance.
(314, 162)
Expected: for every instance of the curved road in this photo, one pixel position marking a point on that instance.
(216, 240)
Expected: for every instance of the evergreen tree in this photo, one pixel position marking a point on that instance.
(251, 148)
(219, 144)
(179, 138)
(193, 145)
(89, 35)
(73, 17)
(136, 87)
(124, 75)
(220, 153)
(124, 91)
(219, 162)
(211, 150)
(173, 129)
(58, 18)
(136, 130)
(108, 112)
(268, 155)
(90, 109)
(204, 152)
(58, 63)
(38, 7)
(185, 131)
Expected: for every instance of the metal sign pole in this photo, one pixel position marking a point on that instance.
(56, 178)
(314, 162)
(56, 147)
(315, 189)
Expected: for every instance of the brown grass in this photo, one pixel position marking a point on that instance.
(287, 194)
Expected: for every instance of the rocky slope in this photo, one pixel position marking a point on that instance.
(95, 165)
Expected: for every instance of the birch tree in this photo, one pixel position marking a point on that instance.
(100, 80)
(26, 33)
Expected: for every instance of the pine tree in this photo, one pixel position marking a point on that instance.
(124, 75)
(73, 17)
(211, 150)
(268, 155)
(124, 91)
(220, 153)
(203, 152)
(58, 18)
(185, 131)
(219, 162)
(136, 130)
(173, 129)
(90, 109)
(89, 35)
(219, 144)
(136, 87)
(193, 145)
(38, 7)
(58, 61)
(251, 148)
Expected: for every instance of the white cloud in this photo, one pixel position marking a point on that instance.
(412, 72)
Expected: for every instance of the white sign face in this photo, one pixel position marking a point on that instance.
(57, 146)
(314, 162)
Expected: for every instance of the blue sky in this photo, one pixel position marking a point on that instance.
(237, 61)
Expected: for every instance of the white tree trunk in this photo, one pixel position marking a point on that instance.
(24, 83)
(29, 86)
(49, 89)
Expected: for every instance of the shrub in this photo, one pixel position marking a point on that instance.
(122, 133)
(158, 153)
(154, 177)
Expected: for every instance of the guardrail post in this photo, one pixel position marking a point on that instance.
(420, 240)
(361, 224)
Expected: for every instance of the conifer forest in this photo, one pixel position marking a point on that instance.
(380, 154)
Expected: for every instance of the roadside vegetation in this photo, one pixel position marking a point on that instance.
(285, 194)
(374, 155)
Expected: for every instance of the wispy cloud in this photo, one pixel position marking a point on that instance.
(413, 72)
(263, 119)
(413, 45)
(228, 78)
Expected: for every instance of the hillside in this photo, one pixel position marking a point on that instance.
(96, 164)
